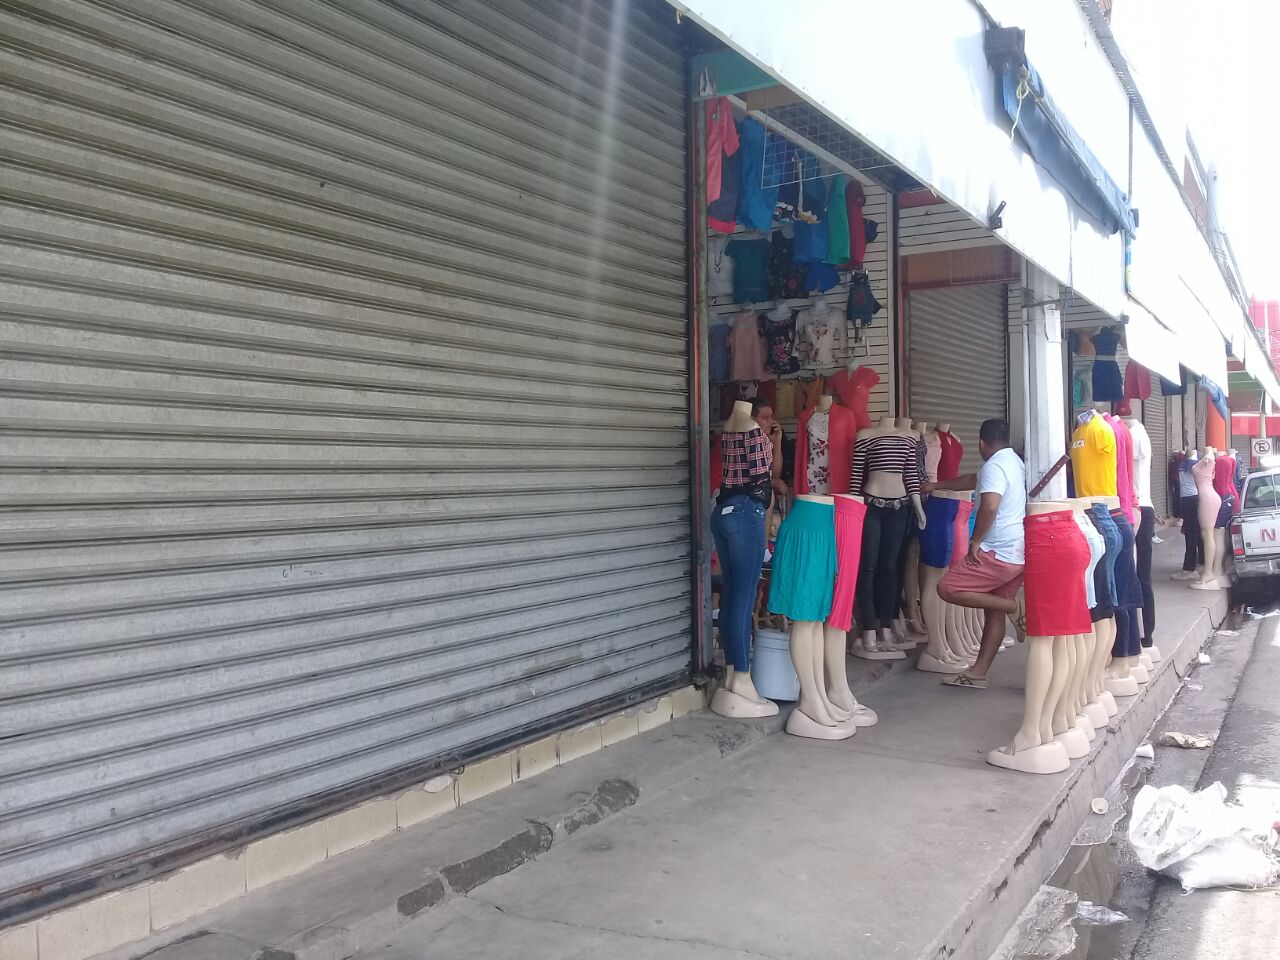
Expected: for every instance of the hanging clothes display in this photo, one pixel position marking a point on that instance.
(718, 352)
(719, 268)
(750, 269)
(855, 198)
(1108, 386)
(837, 220)
(1137, 381)
(756, 203)
(780, 340)
(862, 304)
(853, 390)
(747, 349)
(723, 165)
(786, 277)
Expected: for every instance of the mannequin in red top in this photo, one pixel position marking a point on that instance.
(818, 470)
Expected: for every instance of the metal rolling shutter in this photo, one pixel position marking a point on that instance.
(956, 360)
(1155, 417)
(345, 404)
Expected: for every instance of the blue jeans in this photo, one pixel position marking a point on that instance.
(737, 524)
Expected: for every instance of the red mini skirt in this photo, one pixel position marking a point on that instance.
(849, 516)
(1057, 559)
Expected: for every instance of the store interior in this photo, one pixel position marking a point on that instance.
(830, 539)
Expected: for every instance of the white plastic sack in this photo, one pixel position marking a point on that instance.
(1241, 860)
(1200, 839)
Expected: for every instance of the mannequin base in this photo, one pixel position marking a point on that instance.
(931, 664)
(1097, 714)
(904, 642)
(1046, 758)
(1185, 575)
(1154, 653)
(1121, 686)
(1146, 663)
(1139, 673)
(802, 725)
(1084, 723)
(862, 653)
(1108, 702)
(1075, 742)
(1205, 585)
(726, 703)
(864, 716)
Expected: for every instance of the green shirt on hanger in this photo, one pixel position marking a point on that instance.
(837, 223)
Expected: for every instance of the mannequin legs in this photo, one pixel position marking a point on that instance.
(911, 588)
(1208, 577)
(1142, 548)
(938, 657)
(812, 716)
(1033, 749)
(837, 680)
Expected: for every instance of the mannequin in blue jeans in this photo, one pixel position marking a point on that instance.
(748, 455)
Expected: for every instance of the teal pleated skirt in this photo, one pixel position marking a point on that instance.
(803, 569)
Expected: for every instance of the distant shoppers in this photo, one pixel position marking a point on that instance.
(989, 576)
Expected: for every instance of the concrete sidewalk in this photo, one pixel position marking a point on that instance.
(715, 839)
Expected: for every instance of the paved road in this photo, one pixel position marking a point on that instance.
(1240, 925)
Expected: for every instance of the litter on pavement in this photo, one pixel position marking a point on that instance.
(1189, 741)
(1201, 840)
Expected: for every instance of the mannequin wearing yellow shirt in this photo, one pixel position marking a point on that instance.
(1093, 456)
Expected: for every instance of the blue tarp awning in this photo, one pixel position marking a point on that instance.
(1056, 146)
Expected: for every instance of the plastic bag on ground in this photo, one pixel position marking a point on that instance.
(1200, 839)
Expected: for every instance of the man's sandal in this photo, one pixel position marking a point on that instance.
(966, 681)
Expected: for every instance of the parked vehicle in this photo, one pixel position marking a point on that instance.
(1255, 540)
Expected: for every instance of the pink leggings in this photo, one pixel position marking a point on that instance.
(849, 516)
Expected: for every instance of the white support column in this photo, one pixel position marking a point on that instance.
(1046, 424)
(1019, 398)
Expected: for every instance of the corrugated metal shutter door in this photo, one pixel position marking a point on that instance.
(957, 345)
(1155, 417)
(345, 400)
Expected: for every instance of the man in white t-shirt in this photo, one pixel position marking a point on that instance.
(990, 574)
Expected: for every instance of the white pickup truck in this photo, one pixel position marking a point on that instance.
(1255, 539)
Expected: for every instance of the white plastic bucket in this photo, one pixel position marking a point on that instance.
(771, 669)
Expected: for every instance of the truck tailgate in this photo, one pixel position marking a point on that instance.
(1261, 534)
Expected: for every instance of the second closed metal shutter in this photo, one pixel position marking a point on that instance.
(344, 369)
(957, 348)
(1155, 417)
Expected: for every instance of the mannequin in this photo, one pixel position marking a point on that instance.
(1145, 530)
(932, 453)
(738, 525)
(1213, 539)
(850, 512)
(886, 473)
(952, 453)
(937, 550)
(1193, 559)
(1102, 690)
(907, 622)
(1034, 748)
(802, 588)
(824, 448)
(1089, 713)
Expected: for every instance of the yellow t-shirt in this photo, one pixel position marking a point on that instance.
(1093, 459)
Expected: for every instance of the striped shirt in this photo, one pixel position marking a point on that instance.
(886, 453)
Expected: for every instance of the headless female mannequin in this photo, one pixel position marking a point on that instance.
(1100, 703)
(1214, 539)
(843, 704)
(1034, 748)
(877, 640)
(939, 656)
(815, 715)
(737, 696)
